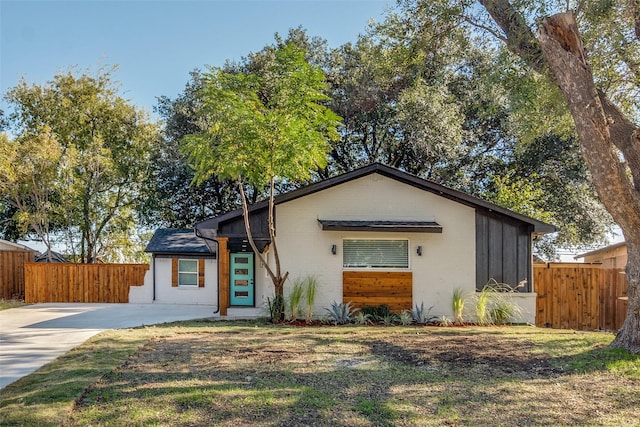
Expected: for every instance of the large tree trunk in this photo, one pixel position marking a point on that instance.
(604, 134)
(609, 141)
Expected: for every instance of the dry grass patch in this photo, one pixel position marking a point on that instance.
(243, 374)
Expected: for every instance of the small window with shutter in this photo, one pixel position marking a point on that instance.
(187, 272)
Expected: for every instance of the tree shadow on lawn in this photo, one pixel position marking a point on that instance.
(228, 378)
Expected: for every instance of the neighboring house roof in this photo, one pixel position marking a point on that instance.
(398, 175)
(601, 250)
(12, 246)
(167, 241)
(55, 257)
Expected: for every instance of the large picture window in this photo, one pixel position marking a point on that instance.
(188, 272)
(369, 253)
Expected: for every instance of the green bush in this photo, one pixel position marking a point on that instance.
(377, 313)
(311, 287)
(294, 299)
(457, 306)
(494, 305)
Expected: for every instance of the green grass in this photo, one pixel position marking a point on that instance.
(253, 373)
(11, 303)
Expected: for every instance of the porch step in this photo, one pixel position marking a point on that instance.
(244, 313)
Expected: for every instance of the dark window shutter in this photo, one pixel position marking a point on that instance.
(201, 273)
(174, 272)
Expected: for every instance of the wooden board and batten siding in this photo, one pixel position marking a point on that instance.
(373, 288)
(503, 251)
(579, 296)
(12, 273)
(86, 283)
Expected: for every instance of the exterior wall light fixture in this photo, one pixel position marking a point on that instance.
(419, 251)
(334, 249)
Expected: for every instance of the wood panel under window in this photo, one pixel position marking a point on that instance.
(372, 288)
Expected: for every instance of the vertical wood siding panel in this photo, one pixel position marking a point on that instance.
(224, 275)
(174, 272)
(482, 251)
(524, 269)
(201, 273)
(509, 254)
(495, 250)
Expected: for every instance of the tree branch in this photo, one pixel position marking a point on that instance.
(486, 28)
(520, 39)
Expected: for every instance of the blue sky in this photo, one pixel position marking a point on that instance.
(157, 42)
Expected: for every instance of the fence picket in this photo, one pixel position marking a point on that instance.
(579, 296)
(86, 283)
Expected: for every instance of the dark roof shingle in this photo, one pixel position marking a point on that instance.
(177, 241)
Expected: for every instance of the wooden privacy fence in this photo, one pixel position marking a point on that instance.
(579, 296)
(12, 273)
(81, 282)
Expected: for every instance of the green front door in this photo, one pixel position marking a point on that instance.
(242, 279)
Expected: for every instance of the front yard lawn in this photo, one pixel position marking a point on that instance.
(6, 304)
(253, 373)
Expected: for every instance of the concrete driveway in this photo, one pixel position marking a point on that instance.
(33, 335)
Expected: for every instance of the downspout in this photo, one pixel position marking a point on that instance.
(153, 259)
(217, 267)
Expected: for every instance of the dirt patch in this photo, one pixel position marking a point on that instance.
(500, 356)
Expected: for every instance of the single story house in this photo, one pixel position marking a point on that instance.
(611, 256)
(6, 245)
(372, 236)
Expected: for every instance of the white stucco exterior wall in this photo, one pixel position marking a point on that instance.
(143, 294)
(447, 261)
(166, 294)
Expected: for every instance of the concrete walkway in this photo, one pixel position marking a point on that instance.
(33, 335)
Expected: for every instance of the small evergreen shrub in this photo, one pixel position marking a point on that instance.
(422, 316)
(340, 313)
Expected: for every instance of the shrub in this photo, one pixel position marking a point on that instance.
(378, 313)
(444, 321)
(405, 318)
(457, 305)
(483, 299)
(494, 305)
(422, 317)
(340, 313)
(389, 319)
(294, 299)
(362, 318)
(504, 310)
(311, 287)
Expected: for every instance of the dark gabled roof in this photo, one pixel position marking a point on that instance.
(167, 241)
(398, 175)
(403, 226)
(55, 257)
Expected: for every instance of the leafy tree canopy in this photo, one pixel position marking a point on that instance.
(104, 145)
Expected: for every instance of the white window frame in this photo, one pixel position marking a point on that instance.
(181, 273)
(369, 267)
